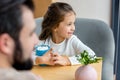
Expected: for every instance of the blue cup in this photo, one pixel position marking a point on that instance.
(41, 50)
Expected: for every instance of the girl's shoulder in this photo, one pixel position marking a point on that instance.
(43, 42)
(73, 38)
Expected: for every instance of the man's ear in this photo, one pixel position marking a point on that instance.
(6, 44)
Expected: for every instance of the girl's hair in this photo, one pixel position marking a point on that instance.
(54, 15)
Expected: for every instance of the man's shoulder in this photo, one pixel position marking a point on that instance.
(11, 74)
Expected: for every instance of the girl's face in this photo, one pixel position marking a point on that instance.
(66, 27)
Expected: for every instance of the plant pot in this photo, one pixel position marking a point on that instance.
(86, 72)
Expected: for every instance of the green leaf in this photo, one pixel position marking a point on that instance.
(84, 58)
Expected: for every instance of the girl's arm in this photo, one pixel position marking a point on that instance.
(61, 60)
(45, 59)
(79, 47)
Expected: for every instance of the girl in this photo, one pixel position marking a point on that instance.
(57, 32)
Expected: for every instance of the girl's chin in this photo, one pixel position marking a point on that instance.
(69, 36)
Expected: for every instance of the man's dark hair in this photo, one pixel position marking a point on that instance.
(11, 22)
(11, 15)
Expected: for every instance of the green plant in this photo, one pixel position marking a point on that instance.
(84, 58)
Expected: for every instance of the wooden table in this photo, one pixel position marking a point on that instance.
(62, 72)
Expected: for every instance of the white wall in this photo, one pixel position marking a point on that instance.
(96, 9)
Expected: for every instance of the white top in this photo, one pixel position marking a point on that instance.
(69, 47)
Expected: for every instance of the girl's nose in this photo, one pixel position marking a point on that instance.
(73, 28)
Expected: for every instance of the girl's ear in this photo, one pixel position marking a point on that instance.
(54, 29)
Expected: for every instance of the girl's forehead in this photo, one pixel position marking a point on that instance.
(69, 16)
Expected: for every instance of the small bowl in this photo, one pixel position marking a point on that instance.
(41, 50)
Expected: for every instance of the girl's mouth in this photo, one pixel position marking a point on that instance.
(70, 32)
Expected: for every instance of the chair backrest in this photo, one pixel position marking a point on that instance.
(98, 36)
(38, 25)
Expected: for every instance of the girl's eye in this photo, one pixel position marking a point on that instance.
(69, 24)
(31, 34)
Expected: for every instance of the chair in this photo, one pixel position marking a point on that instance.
(98, 36)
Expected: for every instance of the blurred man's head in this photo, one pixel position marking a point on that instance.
(17, 37)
